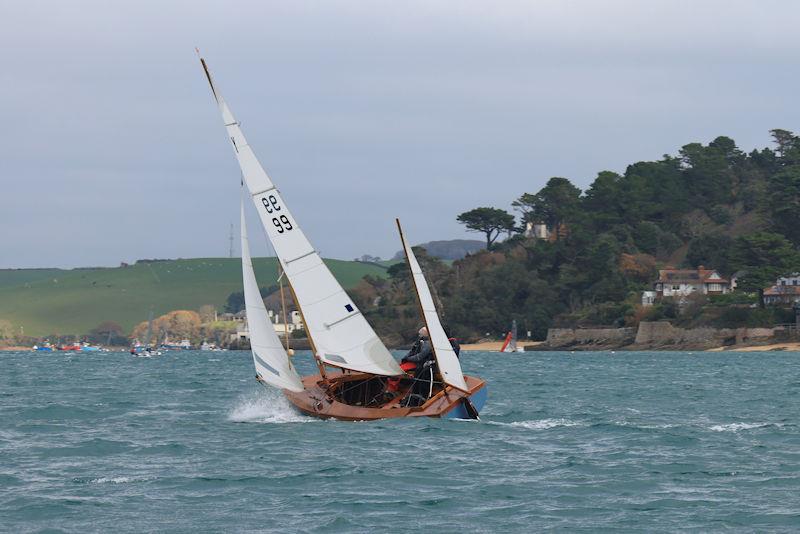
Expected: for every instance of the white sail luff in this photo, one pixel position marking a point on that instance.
(513, 345)
(341, 335)
(446, 358)
(269, 357)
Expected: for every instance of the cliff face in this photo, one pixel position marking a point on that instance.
(657, 335)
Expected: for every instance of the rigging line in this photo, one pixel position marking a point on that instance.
(283, 309)
(411, 378)
(357, 384)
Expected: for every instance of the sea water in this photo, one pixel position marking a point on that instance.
(189, 442)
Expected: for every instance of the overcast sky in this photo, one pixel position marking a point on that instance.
(112, 149)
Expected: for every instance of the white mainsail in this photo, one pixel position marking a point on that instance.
(271, 361)
(446, 358)
(342, 336)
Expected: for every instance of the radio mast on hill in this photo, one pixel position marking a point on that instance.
(230, 243)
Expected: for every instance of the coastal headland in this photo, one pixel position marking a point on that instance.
(44, 302)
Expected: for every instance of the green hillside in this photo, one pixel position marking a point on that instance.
(56, 301)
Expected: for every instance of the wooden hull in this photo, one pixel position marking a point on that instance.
(447, 403)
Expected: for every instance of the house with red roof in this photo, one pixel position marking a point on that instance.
(684, 282)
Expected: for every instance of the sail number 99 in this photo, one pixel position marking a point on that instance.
(281, 222)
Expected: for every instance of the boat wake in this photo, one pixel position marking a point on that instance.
(266, 406)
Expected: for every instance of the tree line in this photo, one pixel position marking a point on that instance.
(711, 204)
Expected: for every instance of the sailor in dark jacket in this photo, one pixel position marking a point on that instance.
(421, 352)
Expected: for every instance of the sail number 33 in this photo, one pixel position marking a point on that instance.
(281, 222)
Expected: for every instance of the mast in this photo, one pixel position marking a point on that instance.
(283, 309)
(230, 243)
(514, 335)
(414, 281)
(320, 364)
(149, 327)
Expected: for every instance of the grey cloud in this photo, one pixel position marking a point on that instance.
(111, 148)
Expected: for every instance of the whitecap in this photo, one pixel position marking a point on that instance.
(118, 480)
(644, 426)
(736, 427)
(544, 424)
(539, 424)
(266, 406)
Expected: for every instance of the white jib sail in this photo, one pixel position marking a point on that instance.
(342, 336)
(446, 358)
(270, 358)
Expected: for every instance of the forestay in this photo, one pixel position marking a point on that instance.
(342, 337)
(271, 361)
(446, 358)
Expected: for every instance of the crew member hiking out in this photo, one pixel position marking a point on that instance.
(420, 363)
(421, 352)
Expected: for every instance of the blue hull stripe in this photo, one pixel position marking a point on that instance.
(478, 399)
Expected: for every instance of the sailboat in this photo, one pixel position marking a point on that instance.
(510, 343)
(354, 366)
(146, 350)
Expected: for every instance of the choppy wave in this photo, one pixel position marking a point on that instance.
(538, 424)
(544, 424)
(737, 427)
(651, 442)
(113, 480)
(266, 406)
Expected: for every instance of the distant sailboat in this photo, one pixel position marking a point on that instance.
(146, 350)
(354, 365)
(510, 344)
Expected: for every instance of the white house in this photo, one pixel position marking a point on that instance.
(684, 282)
(785, 291)
(294, 318)
(538, 230)
(648, 298)
(793, 280)
(295, 323)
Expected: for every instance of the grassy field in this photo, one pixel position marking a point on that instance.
(55, 301)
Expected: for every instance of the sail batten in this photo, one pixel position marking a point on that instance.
(353, 343)
(269, 357)
(446, 358)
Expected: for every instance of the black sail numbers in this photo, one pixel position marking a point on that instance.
(280, 221)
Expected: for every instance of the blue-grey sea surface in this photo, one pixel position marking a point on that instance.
(189, 442)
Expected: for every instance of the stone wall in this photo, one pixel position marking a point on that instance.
(566, 337)
(659, 333)
(651, 335)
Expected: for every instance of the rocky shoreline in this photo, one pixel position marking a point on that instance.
(659, 335)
